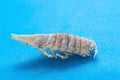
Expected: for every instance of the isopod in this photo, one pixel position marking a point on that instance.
(66, 43)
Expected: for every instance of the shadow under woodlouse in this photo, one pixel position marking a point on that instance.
(41, 63)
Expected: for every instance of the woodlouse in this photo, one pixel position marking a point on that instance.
(67, 43)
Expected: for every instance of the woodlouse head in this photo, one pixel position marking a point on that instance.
(92, 48)
(88, 48)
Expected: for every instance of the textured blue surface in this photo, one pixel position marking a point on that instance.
(96, 19)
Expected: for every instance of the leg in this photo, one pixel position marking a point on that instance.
(51, 51)
(62, 57)
(84, 53)
(69, 54)
(44, 53)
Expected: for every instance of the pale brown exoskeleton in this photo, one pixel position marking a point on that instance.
(67, 43)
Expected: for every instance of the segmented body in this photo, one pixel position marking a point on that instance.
(63, 42)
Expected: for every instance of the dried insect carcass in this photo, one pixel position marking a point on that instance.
(67, 43)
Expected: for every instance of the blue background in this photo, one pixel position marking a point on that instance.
(96, 19)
